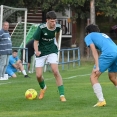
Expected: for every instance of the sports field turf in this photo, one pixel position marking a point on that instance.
(78, 92)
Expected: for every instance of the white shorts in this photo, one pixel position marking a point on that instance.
(51, 59)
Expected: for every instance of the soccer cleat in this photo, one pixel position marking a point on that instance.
(26, 76)
(2, 78)
(62, 98)
(29, 72)
(100, 104)
(42, 91)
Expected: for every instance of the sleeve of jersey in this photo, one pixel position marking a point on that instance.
(17, 58)
(88, 40)
(11, 61)
(37, 34)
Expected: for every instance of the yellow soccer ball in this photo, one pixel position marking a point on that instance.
(31, 94)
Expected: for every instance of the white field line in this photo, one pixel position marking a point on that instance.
(75, 69)
(70, 77)
(5, 83)
(76, 76)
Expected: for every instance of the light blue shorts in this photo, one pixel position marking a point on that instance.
(108, 62)
(10, 72)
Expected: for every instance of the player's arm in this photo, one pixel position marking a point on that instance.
(15, 66)
(95, 56)
(58, 28)
(37, 37)
(37, 52)
(57, 36)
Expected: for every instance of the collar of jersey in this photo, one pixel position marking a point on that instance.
(48, 28)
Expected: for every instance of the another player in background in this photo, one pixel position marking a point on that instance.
(14, 65)
(5, 48)
(107, 60)
(45, 47)
(30, 46)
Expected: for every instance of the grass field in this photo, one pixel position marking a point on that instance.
(78, 92)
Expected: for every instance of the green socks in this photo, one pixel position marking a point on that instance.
(61, 90)
(42, 84)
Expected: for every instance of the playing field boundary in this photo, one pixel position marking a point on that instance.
(5, 83)
(71, 77)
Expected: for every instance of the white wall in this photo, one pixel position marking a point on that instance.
(68, 14)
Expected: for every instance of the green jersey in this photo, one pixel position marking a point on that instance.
(46, 38)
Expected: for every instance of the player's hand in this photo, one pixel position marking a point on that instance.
(96, 70)
(37, 53)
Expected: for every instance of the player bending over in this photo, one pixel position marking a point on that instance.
(107, 60)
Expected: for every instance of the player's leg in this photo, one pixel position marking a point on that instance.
(104, 62)
(97, 89)
(11, 72)
(6, 64)
(39, 63)
(112, 77)
(29, 61)
(112, 73)
(53, 60)
(3, 62)
(21, 68)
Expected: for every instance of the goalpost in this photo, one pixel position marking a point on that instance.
(6, 11)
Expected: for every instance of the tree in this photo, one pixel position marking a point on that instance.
(92, 11)
(109, 7)
(81, 9)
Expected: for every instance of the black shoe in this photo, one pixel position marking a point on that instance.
(26, 76)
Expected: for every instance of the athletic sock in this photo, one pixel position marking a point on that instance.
(61, 90)
(42, 84)
(98, 91)
(24, 72)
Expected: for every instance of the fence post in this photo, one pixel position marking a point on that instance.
(63, 60)
(73, 57)
(68, 58)
(78, 57)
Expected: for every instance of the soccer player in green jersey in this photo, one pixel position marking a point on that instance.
(45, 46)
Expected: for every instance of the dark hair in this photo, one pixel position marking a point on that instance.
(92, 28)
(51, 15)
(15, 51)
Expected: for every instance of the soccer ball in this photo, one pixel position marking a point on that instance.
(31, 94)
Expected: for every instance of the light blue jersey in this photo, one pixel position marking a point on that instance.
(108, 49)
(101, 41)
(10, 69)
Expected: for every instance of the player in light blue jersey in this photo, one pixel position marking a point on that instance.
(106, 61)
(14, 65)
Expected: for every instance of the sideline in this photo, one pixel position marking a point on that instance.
(5, 83)
(76, 76)
(71, 77)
